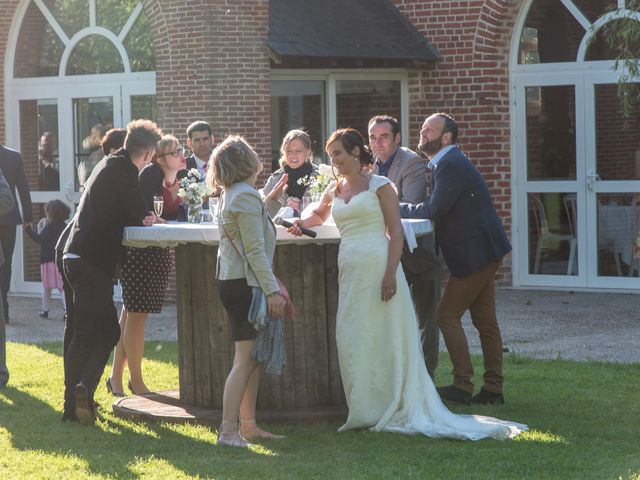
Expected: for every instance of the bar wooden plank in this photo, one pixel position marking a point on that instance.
(331, 276)
(185, 329)
(200, 321)
(322, 340)
(309, 274)
(288, 275)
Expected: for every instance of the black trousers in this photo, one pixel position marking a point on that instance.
(95, 327)
(425, 291)
(68, 300)
(8, 243)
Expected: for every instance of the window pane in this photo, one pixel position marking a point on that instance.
(72, 15)
(359, 100)
(297, 104)
(39, 143)
(39, 49)
(551, 133)
(618, 237)
(92, 117)
(92, 55)
(113, 14)
(550, 34)
(598, 48)
(553, 244)
(592, 9)
(143, 106)
(617, 143)
(139, 46)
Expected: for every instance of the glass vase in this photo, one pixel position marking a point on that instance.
(194, 214)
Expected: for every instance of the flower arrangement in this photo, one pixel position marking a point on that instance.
(193, 192)
(318, 184)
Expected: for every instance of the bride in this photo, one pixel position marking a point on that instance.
(384, 377)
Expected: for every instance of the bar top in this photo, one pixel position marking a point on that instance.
(172, 234)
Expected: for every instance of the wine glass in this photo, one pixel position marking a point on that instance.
(158, 205)
(214, 203)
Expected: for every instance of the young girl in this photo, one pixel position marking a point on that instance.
(56, 215)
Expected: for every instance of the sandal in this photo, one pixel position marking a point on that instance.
(228, 435)
(250, 430)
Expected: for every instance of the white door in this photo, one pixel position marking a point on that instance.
(612, 188)
(71, 112)
(576, 174)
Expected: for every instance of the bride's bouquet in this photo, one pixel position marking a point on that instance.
(318, 184)
(193, 192)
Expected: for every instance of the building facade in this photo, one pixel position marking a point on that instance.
(531, 83)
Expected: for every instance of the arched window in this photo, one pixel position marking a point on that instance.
(569, 30)
(80, 37)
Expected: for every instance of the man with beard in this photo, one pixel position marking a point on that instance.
(473, 242)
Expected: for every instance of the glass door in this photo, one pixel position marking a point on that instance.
(612, 187)
(549, 233)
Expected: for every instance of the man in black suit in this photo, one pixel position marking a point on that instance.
(422, 267)
(6, 203)
(473, 242)
(111, 201)
(13, 170)
(200, 142)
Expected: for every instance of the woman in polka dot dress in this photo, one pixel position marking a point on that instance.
(145, 270)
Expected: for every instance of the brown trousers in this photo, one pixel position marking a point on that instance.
(476, 293)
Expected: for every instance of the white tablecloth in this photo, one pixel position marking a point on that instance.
(173, 233)
(616, 227)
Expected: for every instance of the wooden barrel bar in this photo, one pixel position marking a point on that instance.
(311, 377)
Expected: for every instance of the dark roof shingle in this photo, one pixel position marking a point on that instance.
(338, 32)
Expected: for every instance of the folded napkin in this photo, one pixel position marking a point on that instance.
(409, 235)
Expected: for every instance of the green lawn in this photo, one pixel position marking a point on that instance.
(585, 420)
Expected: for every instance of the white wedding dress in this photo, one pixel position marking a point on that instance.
(383, 372)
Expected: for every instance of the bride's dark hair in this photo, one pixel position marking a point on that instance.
(350, 139)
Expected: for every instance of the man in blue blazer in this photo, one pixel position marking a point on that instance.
(13, 170)
(472, 239)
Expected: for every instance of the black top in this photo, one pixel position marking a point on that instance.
(365, 33)
(47, 239)
(111, 201)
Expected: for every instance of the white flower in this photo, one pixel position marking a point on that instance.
(325, 170)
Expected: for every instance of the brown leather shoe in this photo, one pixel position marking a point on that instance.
(83, 409)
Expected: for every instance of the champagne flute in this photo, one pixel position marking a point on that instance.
(158, 204)
(214, 203)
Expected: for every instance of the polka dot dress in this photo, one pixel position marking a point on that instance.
(144, 278)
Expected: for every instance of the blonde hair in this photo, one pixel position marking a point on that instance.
(288, 138)
(233, 161)
(165, 145)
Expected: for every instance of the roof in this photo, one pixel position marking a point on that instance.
(354, 33)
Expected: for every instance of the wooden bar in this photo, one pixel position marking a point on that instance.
(311, 380)
(205, 345)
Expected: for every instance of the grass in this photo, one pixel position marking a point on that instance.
(584, 417)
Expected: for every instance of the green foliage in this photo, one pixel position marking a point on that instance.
(623, 37)
(583, 416)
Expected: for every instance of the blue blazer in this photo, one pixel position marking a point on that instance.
(467, 227)
(13, 171)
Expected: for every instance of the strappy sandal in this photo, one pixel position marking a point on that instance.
(250, 430)
(228, 435)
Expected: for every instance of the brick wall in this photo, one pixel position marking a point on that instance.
(211, 64)
(7, 11)
(471, 83)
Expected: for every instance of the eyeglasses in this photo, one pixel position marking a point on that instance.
(174, 153)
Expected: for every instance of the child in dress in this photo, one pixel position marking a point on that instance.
(49, 230)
